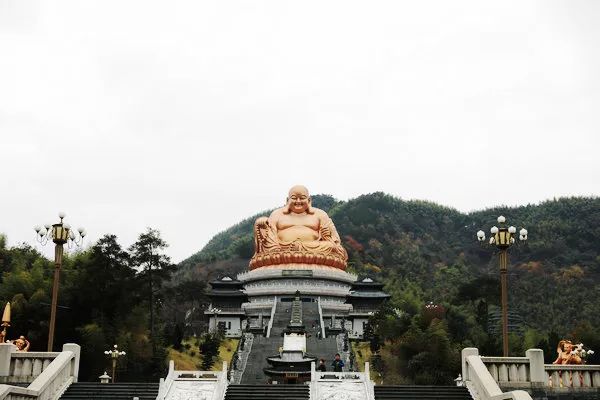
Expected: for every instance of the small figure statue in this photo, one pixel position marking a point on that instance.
(566, 353)
(297, 233)
(22, 343)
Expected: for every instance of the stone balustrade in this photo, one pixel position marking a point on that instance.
(316, 272)
(26, 366)
(572, 376)
(513, 370)
(529, 373)
(49, 374)
(328, 385)
(204, 384)
(481, 383)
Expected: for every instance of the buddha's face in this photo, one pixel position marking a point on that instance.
(298, 199)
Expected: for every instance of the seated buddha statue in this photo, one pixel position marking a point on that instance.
(297, 233)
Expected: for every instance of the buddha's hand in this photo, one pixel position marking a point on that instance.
(326, 233)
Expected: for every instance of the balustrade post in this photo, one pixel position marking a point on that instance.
(596, 379)
(567, 378)
(502, 373)
(513, 373)
(587, 380)
(76, 350)
(537, 373)
(577, 379)
(466, 352)
(555, 379)
(6, 349)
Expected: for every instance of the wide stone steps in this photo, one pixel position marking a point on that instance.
(408, 392)
(257, 359)
(267, 392)
(110, 391)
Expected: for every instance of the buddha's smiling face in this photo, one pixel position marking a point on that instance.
(298, 199)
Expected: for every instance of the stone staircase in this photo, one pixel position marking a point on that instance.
(409, 392)
(267, 392)
(110, 391)
(257, 359)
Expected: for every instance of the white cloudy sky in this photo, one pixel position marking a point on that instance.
(189, 116)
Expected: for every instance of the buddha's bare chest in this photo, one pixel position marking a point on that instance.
(290, 220)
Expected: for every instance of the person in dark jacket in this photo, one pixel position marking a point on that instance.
(337, 363)
(322, 367)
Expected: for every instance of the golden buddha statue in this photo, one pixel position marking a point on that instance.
(297, 233)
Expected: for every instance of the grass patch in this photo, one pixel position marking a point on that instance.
(362, 354)
(189, 358)
(226, 350)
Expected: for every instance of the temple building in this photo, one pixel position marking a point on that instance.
(299, 268)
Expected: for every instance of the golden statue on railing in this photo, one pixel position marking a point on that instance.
(297, 233)
(21, 343)
(568, 353)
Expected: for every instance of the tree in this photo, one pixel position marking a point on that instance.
(153, 268)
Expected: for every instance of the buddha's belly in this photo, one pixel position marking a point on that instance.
(300, 232)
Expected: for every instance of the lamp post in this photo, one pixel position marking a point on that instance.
(502, 238)
(114, 354)
(61, 234)
(216, 312)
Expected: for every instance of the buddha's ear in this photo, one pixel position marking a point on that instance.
(286, 208)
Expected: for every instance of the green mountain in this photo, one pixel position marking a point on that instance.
(431, 252)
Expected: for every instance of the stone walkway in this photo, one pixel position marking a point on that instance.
(236, 376)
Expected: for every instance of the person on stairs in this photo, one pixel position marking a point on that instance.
(322, 367)
(337, 363)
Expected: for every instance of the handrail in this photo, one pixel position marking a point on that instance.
(480, 382)
(321, 322)
(505, 360)
(51, 383)
(270, 325)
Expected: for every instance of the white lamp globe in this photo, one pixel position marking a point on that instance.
(523, 232)
(512, 229)
(61, 215)
(494, 230)
(501, 219)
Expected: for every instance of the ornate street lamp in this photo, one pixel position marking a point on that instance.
(114, 354)
(216, 312)
(61, 234)
(502, 238)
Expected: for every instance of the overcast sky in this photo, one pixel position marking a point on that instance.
(190, 116)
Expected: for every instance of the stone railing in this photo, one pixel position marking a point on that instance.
(480, 382)
(528, 373)
(270, 325)
(206, 384)
(572, 377)
(323, 272)
(24, 367)
(53, 378)
(513, 371)
(328, 385)
(321, 323)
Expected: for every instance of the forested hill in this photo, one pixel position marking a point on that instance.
(431, 252)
